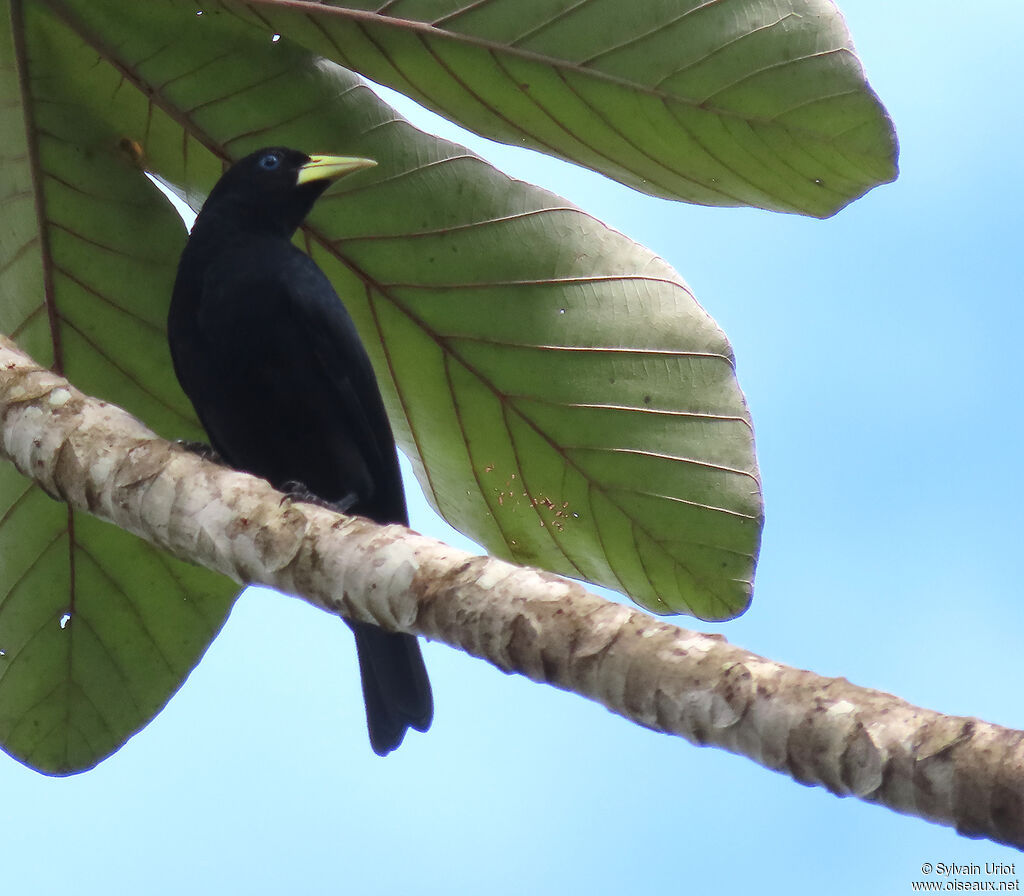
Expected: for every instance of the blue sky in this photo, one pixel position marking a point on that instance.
(879, 353)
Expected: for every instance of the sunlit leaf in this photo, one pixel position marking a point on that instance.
(731, 102)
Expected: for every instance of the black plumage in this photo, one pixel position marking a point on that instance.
(275, 369)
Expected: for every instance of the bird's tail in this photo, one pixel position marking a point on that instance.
(396, 689)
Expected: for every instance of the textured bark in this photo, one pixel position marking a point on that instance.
(853, 741)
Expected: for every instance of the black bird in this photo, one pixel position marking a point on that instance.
(274, 367)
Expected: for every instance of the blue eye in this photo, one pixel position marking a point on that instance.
(270, 161)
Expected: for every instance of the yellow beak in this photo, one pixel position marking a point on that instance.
(331, 167)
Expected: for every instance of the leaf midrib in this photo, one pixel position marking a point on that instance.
(35, 173)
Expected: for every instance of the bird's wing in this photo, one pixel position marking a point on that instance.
(280, 319)
(338, 351)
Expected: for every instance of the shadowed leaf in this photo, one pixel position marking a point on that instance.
(97, 628)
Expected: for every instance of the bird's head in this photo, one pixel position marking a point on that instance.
(273, 189)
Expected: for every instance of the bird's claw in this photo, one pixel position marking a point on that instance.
(206, 452)
(297, 491)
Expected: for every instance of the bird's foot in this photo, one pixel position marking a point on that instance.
(297, 491)
(206, 452)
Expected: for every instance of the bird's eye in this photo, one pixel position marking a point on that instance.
(270, 161)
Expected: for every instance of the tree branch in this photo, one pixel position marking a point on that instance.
(853, 741)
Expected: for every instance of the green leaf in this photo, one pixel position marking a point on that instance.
(564, 399)
(733, 102)
(97, 628)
